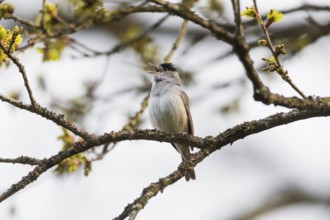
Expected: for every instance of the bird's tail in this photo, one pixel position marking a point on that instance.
(185, 153)
(190, 175)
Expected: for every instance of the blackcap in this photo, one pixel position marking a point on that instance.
(169, 107)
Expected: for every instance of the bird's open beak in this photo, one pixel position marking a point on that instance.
(155, 67)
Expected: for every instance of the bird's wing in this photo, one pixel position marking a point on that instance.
(185, 100)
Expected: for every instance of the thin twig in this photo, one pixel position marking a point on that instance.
(123, 45)
(262, 92)
(284, 75)
(93, 51)
(238, 21)
(25, 22)
(31, 43)
(242, 49)
(71, 27)
(308, 7)
(23, 73)
(179, 39)
(42, 20)
(132, 124)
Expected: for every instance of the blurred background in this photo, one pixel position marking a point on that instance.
(282, 173)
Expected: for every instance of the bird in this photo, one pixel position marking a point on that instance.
(169, 109)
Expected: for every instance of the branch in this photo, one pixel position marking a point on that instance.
(21, 160)
(211, 144)
(221, 33)
(132, 124)
(179, 39)
(23, 73)
(208, 146)
(122, 45)
(283, 73)
(123, 12)
(282, 198)
(42, 20)
(237, 13)
(262, 92)
(241, 48)
(307, 7)
(79, 47)
(43, 112)
(23, 21)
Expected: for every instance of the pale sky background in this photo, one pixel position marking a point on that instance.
(235, 179)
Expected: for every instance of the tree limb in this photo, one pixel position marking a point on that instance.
(210, 144)
(50, 115)
(184, 12)
(207, 145)
(24, 160)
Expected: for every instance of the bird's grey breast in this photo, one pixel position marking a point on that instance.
(167, 111)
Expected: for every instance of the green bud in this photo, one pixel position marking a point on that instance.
(280, 49)
(273, 16)
(249, 12)
(6, 10)
(262, 42)
(265, 69)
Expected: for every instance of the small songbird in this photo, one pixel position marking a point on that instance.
(169, 107)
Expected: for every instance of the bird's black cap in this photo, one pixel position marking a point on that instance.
(167, 67)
